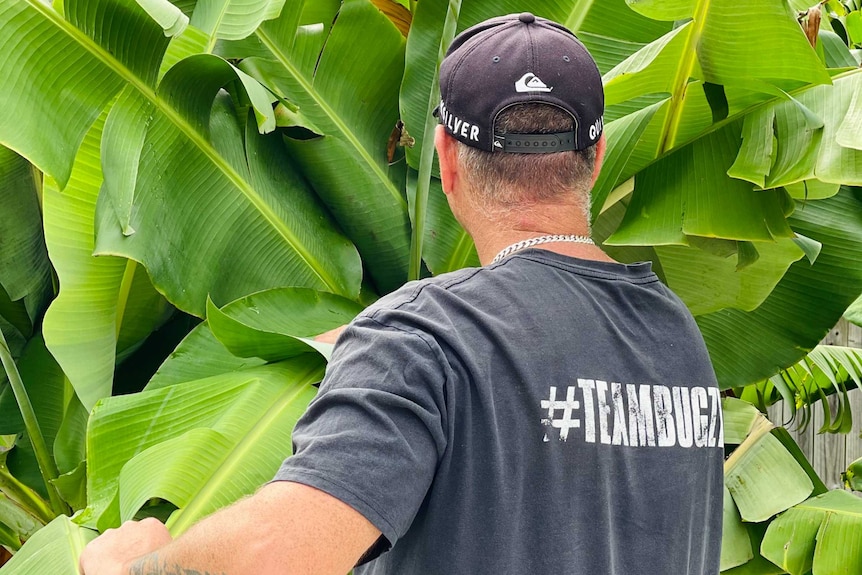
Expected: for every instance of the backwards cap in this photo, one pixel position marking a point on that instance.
(518, 59)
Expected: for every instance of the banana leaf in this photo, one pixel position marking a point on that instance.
(279, 324)
(765, 475)
(340, 135)
(199, 356)
(804, 305)
(46, 387)
(70, 55)
(25, 272)
(827, 371)
(199, 445)
(820, 536)
(54, 549)
(106, 305)
(187, 139)
(762, 477)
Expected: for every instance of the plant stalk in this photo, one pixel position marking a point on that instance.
(426, 158)
(47, 467)
(24, 497)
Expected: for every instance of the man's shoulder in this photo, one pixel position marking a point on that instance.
(413, 294)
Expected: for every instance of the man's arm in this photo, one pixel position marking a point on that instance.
(285, 528)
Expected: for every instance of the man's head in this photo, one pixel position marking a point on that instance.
(523, 101)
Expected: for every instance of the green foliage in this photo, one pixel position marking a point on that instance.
(232, 161)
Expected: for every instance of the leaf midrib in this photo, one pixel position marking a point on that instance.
(578, 15)
(828, 510)
(683, 73)
(345, 130)
(124, 73)
(249, 441)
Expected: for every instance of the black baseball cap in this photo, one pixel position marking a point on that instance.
(517, 59)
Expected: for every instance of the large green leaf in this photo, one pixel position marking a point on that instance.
(447, 246)
(758, 565)
(622, 136)
(100, 298)
(761, 475)
(708, 281)
(751, 50)
(740, 419)
(270, 229)
(698, 64)
(193, 166)
(281, 323)
(688, 194)
(341, 148)
(25, 272)
(685, 199)
(199, 356)
(819, 536)
(735, 544)
(235, 421)
(827, 370)
(127, 130)
(766, 474)
(54, 549)
(232, 19)
(830, 149)
(80, 54)
(805, 304)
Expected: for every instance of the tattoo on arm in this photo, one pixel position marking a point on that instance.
(150, 565)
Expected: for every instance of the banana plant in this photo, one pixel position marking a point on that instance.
(266, 166)
(827, 371)
(778, 516)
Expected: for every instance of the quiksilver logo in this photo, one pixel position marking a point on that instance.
(529, 82)
(596, 128)
(457, 126)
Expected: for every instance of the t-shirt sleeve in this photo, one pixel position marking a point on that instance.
(374, 434)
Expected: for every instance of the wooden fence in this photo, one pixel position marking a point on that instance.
(830, 454)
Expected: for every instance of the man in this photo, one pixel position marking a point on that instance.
(550, 412)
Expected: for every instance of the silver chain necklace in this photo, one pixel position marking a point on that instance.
(523, 244)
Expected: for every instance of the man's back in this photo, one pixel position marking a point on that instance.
(545, 414)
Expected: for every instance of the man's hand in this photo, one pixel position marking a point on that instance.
(115, 549)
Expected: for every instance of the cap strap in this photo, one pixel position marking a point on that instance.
(535, 143)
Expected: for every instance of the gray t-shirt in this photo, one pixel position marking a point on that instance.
(545, 414)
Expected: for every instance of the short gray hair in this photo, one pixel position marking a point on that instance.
(502, 179)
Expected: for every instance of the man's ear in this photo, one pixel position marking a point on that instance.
(447, 153)
(601, 146)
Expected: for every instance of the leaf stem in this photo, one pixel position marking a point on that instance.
(47, 467)
(426, 158)
(24, 497)
(683, 73)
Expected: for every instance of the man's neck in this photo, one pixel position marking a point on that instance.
(492, 235)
